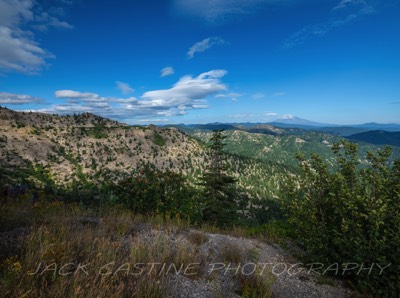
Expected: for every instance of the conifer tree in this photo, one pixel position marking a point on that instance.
(219, 192)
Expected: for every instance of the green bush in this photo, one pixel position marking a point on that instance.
(150, 191)
(350, 214)
(159, 140)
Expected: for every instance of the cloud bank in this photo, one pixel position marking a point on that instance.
(189, 93)
(17, 99)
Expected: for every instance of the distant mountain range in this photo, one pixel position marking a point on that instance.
(377, 137)
(295, 123)
(374, 133)
(343, 130)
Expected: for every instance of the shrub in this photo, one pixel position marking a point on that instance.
(350, 215)
(159, 140)
(256, 285)
(231, 252)
(150, 191)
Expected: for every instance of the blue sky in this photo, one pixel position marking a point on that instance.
(197, 61)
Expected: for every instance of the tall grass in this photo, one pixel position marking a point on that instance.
(68, 254)
(73, 251)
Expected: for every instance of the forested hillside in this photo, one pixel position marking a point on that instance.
(282, 147)
(306, 190)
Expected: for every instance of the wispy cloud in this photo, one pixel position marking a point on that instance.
(124, 87)
(345, 4)
(19, 51)
(217, 11)
(259, 117)
(167, 71)
(44, 22)
(17, 99)
(204, 45)
(343, 13)
(280, 93)
(233, 95)
(242, 116)
(152, 120)
(258, 95)
(90, 98)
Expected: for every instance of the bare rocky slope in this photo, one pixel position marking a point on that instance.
(91, 143)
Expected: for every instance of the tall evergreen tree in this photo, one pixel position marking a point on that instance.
(219, 193)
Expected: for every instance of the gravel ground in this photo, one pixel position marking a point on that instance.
(216, 282)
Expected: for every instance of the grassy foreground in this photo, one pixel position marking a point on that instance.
(65, 250)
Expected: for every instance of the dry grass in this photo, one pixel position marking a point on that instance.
(75, 252)
(231, 252)
(79, 256)
(197, 238)
(256, 285)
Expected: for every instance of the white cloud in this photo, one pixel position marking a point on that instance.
(189, 93)
(200, 106)
(276, 94)
(12, 12)
(17, 99)
(271, 114)
(167, 71)
(19, 51)
(204, 45)
(76, 94)
(99, 105)
(258, 95)
(124, 87)
(123, 100)
(68, 109)
(187, 89)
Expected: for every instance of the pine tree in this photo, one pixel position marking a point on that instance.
(220, 207)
